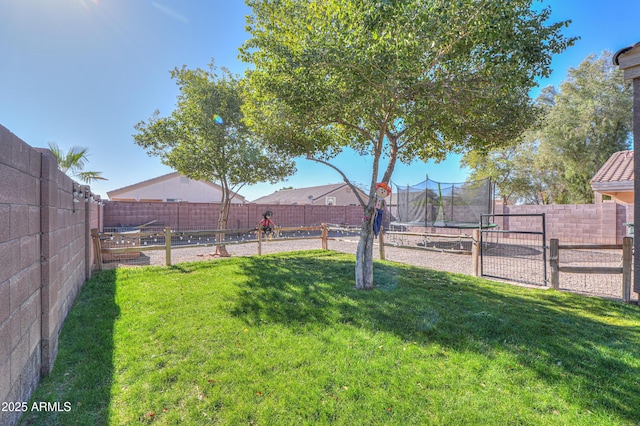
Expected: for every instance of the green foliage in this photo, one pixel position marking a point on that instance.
(520, 174)
(586, 121)
(404, 80)
(591, 119)
(429, 77)
(192, 142)
(73, 162)
(286, 339)
(508, 167)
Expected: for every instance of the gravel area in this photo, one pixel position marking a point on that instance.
(460, 263)
(594, 285)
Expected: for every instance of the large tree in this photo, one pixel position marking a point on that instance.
(520, 173)
(585, 121)
(590, 119)
(205, 138)
(397, 79)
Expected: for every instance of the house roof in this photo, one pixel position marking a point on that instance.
(306, 195)
(615, 173)
(142, 184)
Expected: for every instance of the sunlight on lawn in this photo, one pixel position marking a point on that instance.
(287, 339)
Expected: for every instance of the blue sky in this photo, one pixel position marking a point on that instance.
(84, 72)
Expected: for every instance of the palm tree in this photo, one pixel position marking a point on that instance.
(74, 161)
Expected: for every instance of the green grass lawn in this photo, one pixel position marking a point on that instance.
(287, 340)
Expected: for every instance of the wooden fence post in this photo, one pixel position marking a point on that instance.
(475, 253)
(554, 262)
(325, 237)
(259, 231)
(97, 249)
(167, 245)
(381, 242)
(627, 260)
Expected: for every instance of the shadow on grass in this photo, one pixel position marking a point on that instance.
(83, 371)
(592, 345)
(585, 342)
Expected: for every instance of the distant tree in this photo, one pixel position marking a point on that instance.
(400, 80)
(73, 161)
(517, 169)
(508, 167)
(590, 119)
(584, 122)
(205, 138)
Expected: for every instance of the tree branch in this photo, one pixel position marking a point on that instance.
(355, 190)
(235, 189)
(356, 128)
(393, 156)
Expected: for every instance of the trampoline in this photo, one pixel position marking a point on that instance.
(433, 204)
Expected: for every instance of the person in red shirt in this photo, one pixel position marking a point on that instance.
(267, 225)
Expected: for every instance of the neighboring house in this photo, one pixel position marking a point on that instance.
(614, 180)
(339, 194)
(172, 187)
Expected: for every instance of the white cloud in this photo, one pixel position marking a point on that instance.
(170, 12)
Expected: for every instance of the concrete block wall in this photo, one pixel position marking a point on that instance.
(624, 214)
(64, 228)
(20, 273)
(572, 223)
(184, 215)
(43, 264)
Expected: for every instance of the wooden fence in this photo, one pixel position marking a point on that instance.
(132, 243)
(625, 269)
(133, 246)
(129, 244)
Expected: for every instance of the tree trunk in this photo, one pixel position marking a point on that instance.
(225, 203)
(364, 256)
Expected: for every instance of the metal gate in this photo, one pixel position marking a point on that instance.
(515, 249)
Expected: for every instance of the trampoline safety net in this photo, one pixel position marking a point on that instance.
(432, 203)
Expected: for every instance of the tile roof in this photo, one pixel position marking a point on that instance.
(618, 168)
